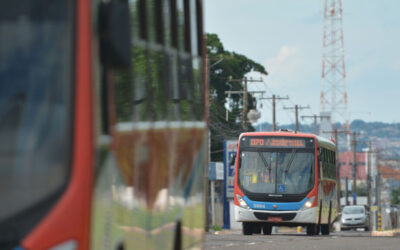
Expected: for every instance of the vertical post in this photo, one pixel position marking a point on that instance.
(212, 202)
(274, 98)
(378, 191)
(273, 114)
(378, 202)
(369, 182)
(297, 117)
(347, 191)
(315, 125)
(226, 213)
(338, 194)
(354, 169)
(206, 181)
(244, 123)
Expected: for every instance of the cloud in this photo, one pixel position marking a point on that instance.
(285, 63)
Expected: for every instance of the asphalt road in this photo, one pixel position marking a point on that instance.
(292, 240)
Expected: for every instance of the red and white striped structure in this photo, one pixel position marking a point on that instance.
(333, 91)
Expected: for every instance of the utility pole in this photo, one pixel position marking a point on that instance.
(354, 169)
(274, 98)
(296, 109)
(369, 182)
(315, 120)
(337, 163)
(244, 93)
(347, 191)
(378, 194)
(244, 123)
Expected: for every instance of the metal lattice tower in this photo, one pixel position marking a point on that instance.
(333, 92)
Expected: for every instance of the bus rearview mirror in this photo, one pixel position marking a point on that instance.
(114, 32)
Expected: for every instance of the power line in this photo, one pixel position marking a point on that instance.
(296, 108)
(274, 99)
(315, 120)
(244, 92)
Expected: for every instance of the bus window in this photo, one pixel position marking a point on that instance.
(36, 96)
(180, 9)
(142, 16)
(157, 78)
(198, 87)
(174, 23)
(194, 34)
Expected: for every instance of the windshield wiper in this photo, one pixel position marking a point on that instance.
(289, 163)
(266, 164)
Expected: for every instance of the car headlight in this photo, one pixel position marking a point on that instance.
(309, 203)
(242, 202)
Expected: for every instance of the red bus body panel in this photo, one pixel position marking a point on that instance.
(69, 219)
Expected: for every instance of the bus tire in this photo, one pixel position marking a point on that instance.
(312, 229)
(247, 228)
(267, 229)
(257, 228)
(325, 229)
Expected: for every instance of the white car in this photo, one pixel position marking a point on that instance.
(354, 217)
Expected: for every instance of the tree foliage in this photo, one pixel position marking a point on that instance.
(395, 197)
(225, 65)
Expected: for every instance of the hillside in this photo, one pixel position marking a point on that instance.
(384, 136)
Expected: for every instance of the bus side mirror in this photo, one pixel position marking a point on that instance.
(114, 32)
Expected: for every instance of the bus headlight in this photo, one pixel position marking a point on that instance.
(309, 203)
(242, 202)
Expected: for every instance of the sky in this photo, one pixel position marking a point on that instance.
(286, 37)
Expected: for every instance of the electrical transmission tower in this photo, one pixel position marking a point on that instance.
(333, 92)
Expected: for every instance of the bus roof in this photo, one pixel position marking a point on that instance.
(326, 143)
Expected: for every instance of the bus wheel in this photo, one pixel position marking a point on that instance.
(247, 228)
(325, 229)
(257, 228)
(312, 229)
(267, 229)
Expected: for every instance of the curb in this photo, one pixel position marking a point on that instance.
(386, 233)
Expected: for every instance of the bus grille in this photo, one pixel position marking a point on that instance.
(284, 216)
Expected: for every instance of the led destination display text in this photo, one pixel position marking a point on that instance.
(276, 142)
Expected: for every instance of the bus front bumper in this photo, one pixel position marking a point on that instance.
(296, 217)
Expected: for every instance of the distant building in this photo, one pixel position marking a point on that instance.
(388, 172)
(346, 165)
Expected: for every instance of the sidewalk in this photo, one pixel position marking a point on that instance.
(387, 233)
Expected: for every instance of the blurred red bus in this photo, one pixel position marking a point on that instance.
(102, 124)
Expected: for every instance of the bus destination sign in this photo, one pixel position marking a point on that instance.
(276, 142)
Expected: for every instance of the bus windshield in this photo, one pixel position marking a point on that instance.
(276, 172)
(36, 76)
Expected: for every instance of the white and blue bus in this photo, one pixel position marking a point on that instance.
(285, 179)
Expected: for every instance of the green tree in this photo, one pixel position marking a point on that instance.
(395, 197)
(362, 189)
(224, 65)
